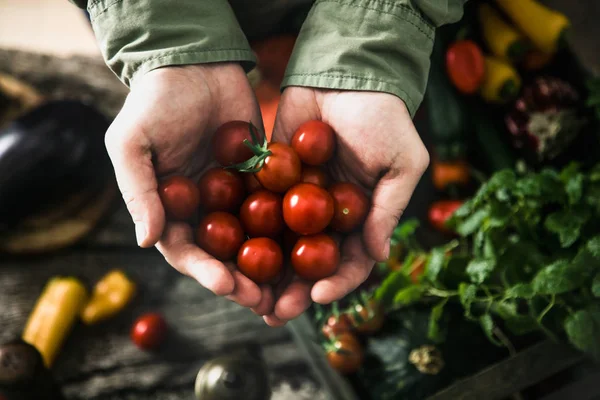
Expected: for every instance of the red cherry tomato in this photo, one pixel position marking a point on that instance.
(149, 331)
(281, 170)
(221, 190)
(315, 175)
(440, 211)
(336, 325)
(346, 355)
(251, 183)
(350, 205)
(465, 66)
(228, 143)
(307, 209)
(180, 197)
(315, 257)
(260, 259)
(314, 141)
(367, 318)
(261, 214)
(220, 234)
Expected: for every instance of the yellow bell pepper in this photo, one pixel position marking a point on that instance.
(54, 316)
(111, 294)
(545, 28)
(501, 38)
(501, 82)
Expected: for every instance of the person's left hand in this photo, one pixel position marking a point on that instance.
(379, 149)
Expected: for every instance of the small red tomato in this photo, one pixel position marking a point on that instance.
(251, 183)
(281, 169)
(440, 211)
(261, 214)
(314, 141)
(220, 234)
(350, 205)
(315, 175)
(367, 318)
(180, 197)
(336, 325)
(465, 66)
(221, 190)
(149, 331)
(315, 257)
(228, 142)
(307, 208)
(260, 259)
(345, 354)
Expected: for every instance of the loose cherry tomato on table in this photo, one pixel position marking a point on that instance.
(315, 257)
(220, 234)
(307, 208)
(149, 331)
(228, 142)
(367, 318)
(345, 354)
(221, 190)
(336, 325)
(251, 183)
(350, 205)
(314, 141)
(260, 259)
(281, 169)
(315, 175)
(465, 65)
(261, 214)
(440, 211)
(180, 197)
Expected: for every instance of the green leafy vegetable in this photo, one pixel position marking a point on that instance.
(583, 329)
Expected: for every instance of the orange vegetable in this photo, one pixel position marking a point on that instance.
(447, 173)
(465, 66)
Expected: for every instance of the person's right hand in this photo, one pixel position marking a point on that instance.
(165, 128)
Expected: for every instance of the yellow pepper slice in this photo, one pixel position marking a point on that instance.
(110, 295)
(501, 82)
(54, 316)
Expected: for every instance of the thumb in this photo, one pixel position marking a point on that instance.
(130, 154)
(390, 198)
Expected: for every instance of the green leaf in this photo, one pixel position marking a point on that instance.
(560, 277)
(593, 247)
(391, 285)
(500, 215)
(405, 230)
(436, 334)
(574, 188)
(583, 330)
(472, 222)
(596, 285)
(487, 324)
(467, 294)
(480, 269)
(567, 225)
(409, 295)
(435, 263)
(520, 290)
(521, 324)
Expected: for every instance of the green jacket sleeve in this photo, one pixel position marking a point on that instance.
(373, 45)
(136, 36)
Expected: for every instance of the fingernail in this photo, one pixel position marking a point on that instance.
(386, 250)
(140, 233)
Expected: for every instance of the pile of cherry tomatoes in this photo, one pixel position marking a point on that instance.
(268, 202)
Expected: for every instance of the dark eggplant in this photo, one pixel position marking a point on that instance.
(47, 156)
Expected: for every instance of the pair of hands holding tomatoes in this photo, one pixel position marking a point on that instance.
(166, 125)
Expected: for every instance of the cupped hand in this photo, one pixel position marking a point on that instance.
(165, 128)
(379, 149)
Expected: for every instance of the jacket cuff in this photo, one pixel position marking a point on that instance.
(370, 45)
(137, 36)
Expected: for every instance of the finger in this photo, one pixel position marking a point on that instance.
(295, 108)
(182, 253)
(246, 293)
(265, 306)
(390, 198)
(293, 301)
(355, 267)
(130, 154)
(273, 321)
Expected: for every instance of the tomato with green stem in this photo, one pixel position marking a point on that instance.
(221, 189)
(315, 257)
(149, 331)
(367, 316)
(350, 205)
(179, 196)
(260, 259)
(220, 234)
(344, 353)
(314, 141)
(336, 324)
(228, 142)
(261, 214)
(307, 208)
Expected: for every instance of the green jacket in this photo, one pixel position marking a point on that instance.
(374, 45)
